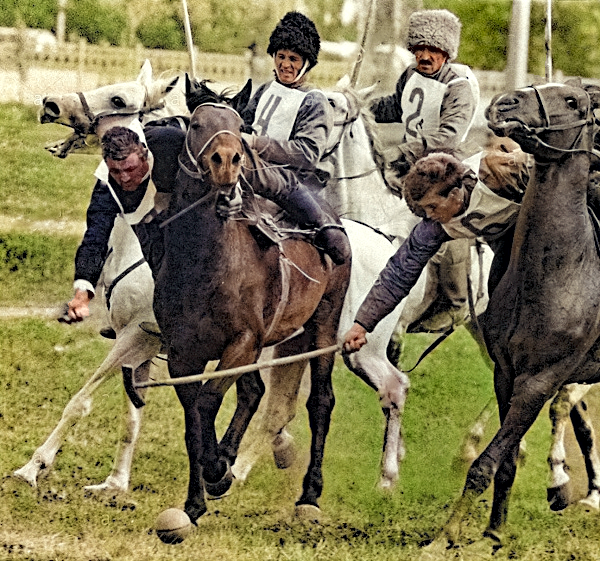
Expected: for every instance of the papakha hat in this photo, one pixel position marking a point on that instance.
(297, 33)
(435, 28)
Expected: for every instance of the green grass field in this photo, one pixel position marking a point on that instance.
(43, 363)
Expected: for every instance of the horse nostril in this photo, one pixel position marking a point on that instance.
(236, 159)
(216, 158)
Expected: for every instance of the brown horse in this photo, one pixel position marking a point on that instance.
(222, 294)
(542, 324)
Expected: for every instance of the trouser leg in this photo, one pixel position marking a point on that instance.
(305, 209)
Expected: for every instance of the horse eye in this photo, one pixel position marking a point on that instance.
(571, 102)
(118, 102)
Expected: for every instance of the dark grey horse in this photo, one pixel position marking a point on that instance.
(542, 324)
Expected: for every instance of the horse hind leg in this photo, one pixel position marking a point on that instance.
(586, 438)
(278, 410)
(118, 479)
(559, 490)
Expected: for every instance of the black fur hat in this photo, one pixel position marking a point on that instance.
(297, 33)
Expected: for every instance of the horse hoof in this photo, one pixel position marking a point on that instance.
(308, 513)
(590, 504)
(285, 456)
(28, 474)
(559, 497)
(284, 452)
(194, 512)
(436, 550)
(219, 488)
(106, 487)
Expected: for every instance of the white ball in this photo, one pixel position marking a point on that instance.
(173, 526)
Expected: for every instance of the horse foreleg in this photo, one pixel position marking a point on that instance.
(371, 365)
(586, 438)
(188, 395)
(518, 409)
(118, 480)
(250, 390)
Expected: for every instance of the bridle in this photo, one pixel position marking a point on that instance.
(95, 118)
(583, 143)
(198, 172)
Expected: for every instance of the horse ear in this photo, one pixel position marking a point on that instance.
(171, 85)
(240, 100)
(594, 93)
(575, 82)
(145, 75)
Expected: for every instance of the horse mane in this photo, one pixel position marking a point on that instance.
(363, 102)
(198, 92)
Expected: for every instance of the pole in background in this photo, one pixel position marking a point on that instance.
(189, 40)
(518, 45)
(548, 41)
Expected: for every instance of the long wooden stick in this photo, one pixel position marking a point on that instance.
(361, 52)
(189, 40)
(239, 369)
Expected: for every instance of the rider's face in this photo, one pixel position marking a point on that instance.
(429, 59)
(443, 209)
(287, 66)
(130, 172)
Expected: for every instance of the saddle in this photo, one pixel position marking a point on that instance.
(269, 223)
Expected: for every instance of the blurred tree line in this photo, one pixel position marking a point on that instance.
(232, 26)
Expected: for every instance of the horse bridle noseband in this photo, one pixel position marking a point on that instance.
(588, 121)
(200, 173)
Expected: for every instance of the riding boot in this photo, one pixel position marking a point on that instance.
(305, 209)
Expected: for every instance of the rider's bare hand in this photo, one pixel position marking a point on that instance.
(355, 338)
(79, 307)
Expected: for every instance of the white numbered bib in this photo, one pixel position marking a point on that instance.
(276, 111)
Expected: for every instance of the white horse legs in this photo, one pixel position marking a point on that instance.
(80, 405)
(277, 409)
(118, 480)
(567, 404)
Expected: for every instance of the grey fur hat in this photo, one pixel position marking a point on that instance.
(297, 33)
(435, 28)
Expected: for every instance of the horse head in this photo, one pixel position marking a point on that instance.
(214, 152)
(548, 120)
(82, 111)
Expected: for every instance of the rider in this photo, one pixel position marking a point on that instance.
(454, 204)
(436, 100)
(291, 123)
(132, 180)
